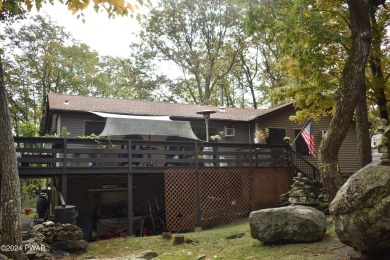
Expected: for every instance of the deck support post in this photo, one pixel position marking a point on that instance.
(130, 204)
(130, 193)
(199, 224)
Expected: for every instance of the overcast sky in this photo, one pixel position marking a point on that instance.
(107, 36)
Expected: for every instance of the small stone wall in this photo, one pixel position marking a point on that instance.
(42, 240)
(57, 232)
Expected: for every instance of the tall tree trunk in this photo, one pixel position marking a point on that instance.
(347, 96)
(363, 129)
(10, 184)
(375, 62)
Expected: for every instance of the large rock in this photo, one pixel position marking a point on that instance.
(361, 210)
(288, 224)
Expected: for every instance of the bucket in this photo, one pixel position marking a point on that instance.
(65, 214)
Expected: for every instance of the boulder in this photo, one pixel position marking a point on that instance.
(148, 254)
(361, 210)
(288, 224)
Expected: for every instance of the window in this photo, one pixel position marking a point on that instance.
(300, 144)
(93, 127)
(276, 135)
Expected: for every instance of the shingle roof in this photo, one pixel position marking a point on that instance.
(135, 107)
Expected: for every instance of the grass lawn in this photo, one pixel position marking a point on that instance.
(31, 215)
(213, 244)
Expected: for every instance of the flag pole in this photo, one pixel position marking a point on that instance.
(300, 132)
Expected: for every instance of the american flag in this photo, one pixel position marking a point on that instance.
(309, 138)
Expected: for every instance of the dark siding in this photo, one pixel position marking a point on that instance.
(241, 130)
(348, 156)
(75, 123)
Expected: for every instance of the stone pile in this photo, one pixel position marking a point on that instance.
(384, 147)
(43, 238)
(56, 232)
(305, 191)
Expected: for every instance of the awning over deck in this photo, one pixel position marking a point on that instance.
(145, 125)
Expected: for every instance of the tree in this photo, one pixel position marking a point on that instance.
(41, 57)
(379, 69)
(349, 93)
(126, 78)
(315, 39)
(37, 61)
(10, 183)
(262, 24)
(199, 38)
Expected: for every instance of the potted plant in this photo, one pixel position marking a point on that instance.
(64, 132)
(261, 135)
(286, 140)
(215, 138)
(28, 211)
(28, 194)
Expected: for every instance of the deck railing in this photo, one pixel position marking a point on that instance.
(301, 165)
(78, 155)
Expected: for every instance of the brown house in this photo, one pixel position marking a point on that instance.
(185, 183)
(235, 124)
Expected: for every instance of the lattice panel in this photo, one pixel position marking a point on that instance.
(224, 195)
(267, 186)
(180, 200)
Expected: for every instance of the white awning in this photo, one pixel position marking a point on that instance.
(144, 125)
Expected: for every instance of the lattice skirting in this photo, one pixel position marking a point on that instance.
(226, 194)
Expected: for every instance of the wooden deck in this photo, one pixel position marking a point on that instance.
(76, 156)
(239, 165)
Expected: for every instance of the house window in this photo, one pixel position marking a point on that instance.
(276, 135)
(200, 132)
(93, 127)
(300, 144)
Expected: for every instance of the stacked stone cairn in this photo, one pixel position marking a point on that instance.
(384, 147)
(306, 192)
(42, 239)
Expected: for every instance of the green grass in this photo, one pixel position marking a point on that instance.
(31, 215)
(214, 245)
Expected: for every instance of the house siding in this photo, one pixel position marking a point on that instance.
(348, 153)
(242, 132)
(75, 123)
